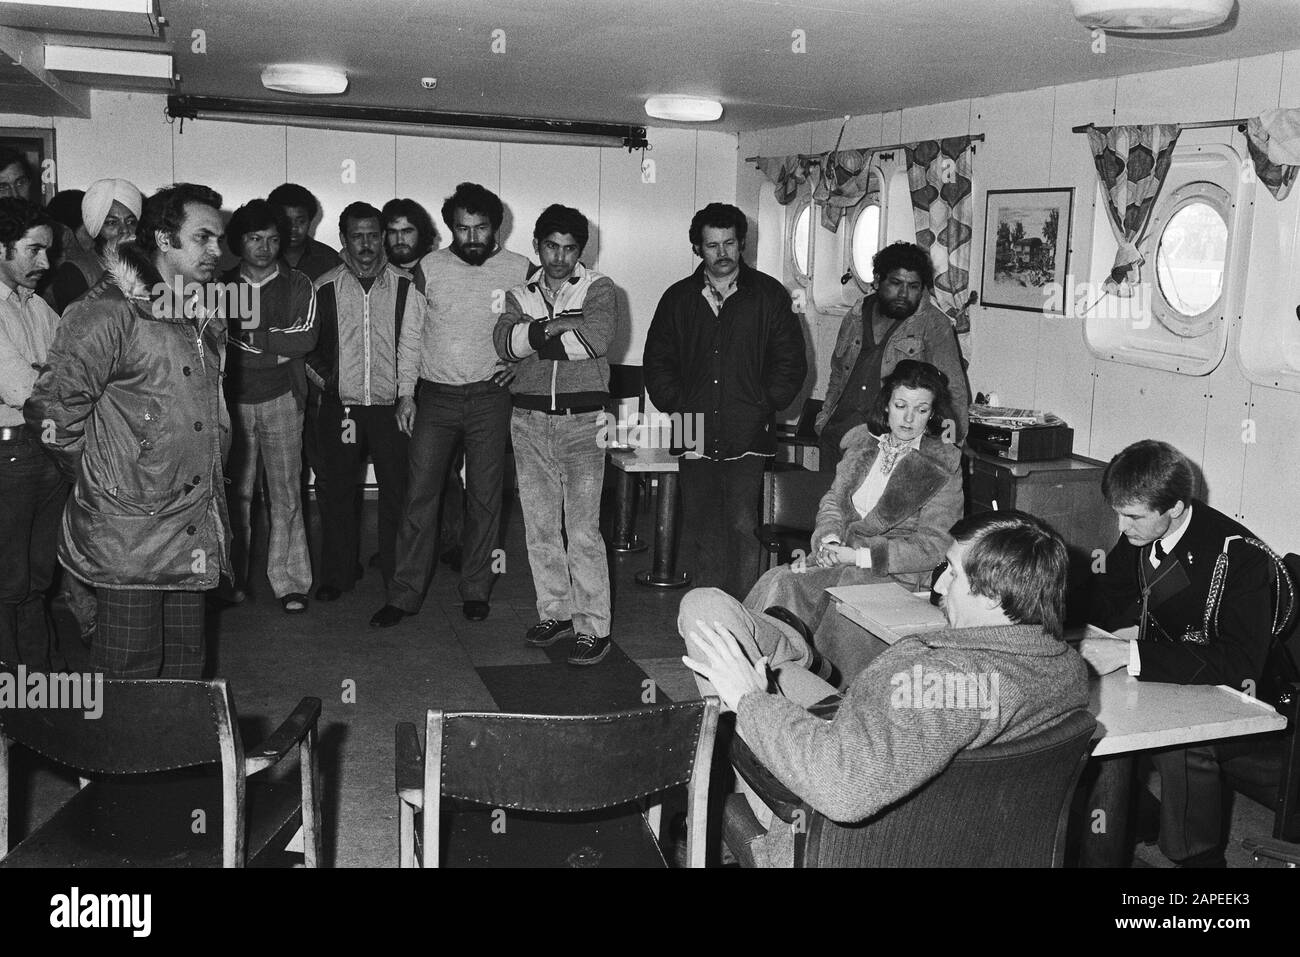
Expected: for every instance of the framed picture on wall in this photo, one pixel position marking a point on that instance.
(1027, 249)
(37, 146)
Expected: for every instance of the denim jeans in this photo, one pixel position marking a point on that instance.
(32, 494)
(271, 430)
(446, 416)
(561, 471)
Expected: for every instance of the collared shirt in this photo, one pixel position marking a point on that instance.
(27, 325)
(1167, 546)
(715, 294)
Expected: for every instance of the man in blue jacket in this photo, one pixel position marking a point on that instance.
(726, 350)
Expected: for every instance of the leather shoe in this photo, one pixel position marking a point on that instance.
(548, 632)
(328, 593)
(476, 610)
(589, 650)
(387, 617)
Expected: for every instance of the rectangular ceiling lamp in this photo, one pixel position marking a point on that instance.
(99, 60)
(144, 7)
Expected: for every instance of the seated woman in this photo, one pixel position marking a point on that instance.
(897, 492)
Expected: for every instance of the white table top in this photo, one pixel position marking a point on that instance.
(643, 460)
(1131, 715)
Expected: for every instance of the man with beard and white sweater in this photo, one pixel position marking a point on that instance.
(453, 392)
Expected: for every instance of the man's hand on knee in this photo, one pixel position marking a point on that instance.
(725, 665)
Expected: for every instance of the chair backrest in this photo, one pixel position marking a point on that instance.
(568, 763)
(807, 427)
(791, 498)
(626, 382)
(1006, 805)
(127, 726)
(117, 726)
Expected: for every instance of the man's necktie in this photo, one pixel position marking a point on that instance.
(1160, 552)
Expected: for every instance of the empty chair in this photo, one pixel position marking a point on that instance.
(1005, 805)
(493, 790)
(790, 500)
(178, 788)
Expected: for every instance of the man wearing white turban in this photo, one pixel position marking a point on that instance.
(109, 212)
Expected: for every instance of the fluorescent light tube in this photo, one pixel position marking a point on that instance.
(115, 62)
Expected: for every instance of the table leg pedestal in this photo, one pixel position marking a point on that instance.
(662, 573)
(625, 537)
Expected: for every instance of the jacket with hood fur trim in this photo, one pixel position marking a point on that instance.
(130, 404)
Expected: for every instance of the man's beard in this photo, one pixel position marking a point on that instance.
(897, 310)
(475, 255)
(403, 258)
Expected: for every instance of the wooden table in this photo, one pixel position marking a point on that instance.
(1131, 715)
(662, 573)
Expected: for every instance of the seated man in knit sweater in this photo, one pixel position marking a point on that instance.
(1004, 598)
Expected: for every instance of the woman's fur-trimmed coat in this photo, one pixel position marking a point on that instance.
(907, 530)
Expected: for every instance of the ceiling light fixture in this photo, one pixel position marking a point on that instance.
(90, 6)
(374, 119)
(153, 66)
(683, 109)
(304, 78)
(1152, 16)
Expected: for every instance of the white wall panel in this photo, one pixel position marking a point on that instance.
(341, 168)
(1259, 83)
(645, 247)
(534, 176)
(715, 168)
(127, 136)
(1192, 93)
(935, 121)
(241, 161)
(429, 170)
(1269, 506)
(1132, 403)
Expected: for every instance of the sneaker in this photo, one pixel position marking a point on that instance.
(548, 632)
(589, 650)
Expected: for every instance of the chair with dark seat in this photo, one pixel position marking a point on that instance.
(170, 782)
(1005, 805)
(790, 500)
(1266, 768)
(801, 435)
(494, 790)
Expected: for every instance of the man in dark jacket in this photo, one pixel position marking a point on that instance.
(726, 350)
(130, 404)
(1192, 588)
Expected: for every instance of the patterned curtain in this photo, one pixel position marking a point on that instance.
(845, 181)
(1273, 139)
(787, 173)
(939, 176)
(1132, 163)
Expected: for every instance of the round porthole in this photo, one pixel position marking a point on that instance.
(865, 242)
(1191, 254)
(799, 235)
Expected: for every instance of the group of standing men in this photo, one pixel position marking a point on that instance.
(389, 350)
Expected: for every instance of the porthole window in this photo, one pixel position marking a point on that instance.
(866, 242)
(1175, 313)
(1191, 254)
(799, 236)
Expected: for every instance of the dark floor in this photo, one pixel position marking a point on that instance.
(369, 679)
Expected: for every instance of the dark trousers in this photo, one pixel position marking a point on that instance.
(720, 505)
(32, 494)
(342, 443)
(1193, 825)
(143, 633)
(447, 416)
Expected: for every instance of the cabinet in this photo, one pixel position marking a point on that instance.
(1065, 493)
